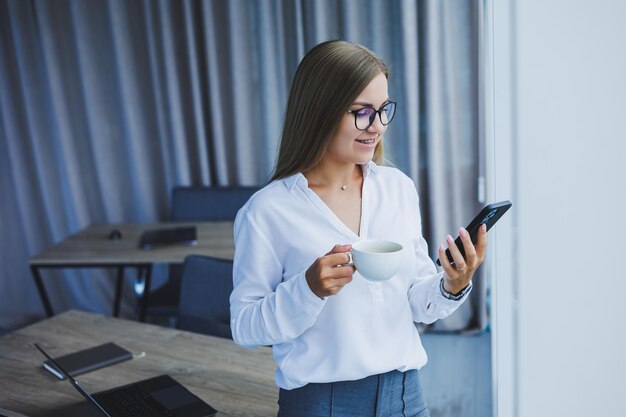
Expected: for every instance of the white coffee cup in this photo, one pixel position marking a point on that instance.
(377, 260)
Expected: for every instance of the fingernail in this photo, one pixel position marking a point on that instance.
(462, 232)
(449, 239)
(484, 227)
(441, 248)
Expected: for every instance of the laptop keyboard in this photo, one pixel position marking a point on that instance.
(133, 402)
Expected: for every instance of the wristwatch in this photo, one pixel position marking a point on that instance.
(457, 296)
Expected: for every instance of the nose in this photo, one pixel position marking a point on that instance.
(377, 126)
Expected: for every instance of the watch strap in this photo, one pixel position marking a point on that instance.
(454, 297)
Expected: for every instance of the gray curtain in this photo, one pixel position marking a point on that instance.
(105, 105)
(450, 140)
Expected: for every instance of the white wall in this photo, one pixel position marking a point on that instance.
(560, 156)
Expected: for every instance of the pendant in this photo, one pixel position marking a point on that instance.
(343, 187)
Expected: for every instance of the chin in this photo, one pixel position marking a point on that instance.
(364, 161)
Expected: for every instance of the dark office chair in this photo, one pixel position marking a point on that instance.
(208, 203)
(193, 204)
(204, 296)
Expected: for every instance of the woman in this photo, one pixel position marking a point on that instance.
(344, 346)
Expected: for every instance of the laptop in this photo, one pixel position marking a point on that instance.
(153, 239)
(153, 397)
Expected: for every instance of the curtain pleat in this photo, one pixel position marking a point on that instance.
(105, 105)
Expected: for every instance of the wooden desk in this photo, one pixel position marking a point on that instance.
(92, 248)
(235, 381)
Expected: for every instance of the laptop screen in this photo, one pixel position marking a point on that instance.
(75, 383)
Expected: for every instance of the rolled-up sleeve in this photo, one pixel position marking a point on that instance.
(265, 308)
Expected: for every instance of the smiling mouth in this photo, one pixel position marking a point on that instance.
(366, 141)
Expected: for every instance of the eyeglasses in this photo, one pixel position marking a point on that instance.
(364, 117)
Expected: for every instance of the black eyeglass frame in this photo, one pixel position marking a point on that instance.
(373, 115)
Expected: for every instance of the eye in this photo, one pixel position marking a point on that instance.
(365, 112)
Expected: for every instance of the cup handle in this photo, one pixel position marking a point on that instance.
(350, 262)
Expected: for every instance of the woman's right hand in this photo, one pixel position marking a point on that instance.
(331, 272)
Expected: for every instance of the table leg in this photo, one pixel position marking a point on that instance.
(118, 291)
(146, 293)
(42, 291)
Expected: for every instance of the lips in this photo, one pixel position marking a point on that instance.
(366, 141)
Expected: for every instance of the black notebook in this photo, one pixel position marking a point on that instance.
(152, 239)
(87, 360)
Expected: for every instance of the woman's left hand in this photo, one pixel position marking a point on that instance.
(457, 277)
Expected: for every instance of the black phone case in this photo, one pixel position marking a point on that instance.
(489, 216)
(87, 360)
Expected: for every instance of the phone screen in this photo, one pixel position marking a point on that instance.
(489, 216)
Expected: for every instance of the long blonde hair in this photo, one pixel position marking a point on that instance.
(328, 79)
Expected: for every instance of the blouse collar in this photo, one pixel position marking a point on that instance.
(299, 178)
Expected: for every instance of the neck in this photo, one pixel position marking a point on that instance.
(335, 177)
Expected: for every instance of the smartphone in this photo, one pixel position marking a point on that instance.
(489, 216)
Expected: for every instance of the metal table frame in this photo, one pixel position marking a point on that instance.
(91, 248)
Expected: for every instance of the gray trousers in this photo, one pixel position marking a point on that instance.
(392, 394)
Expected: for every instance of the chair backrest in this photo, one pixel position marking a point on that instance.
(204, 305)
(208, 203)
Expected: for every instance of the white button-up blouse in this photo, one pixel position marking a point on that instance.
(367, 328)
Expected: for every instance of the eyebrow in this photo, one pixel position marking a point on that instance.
(362, 103)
